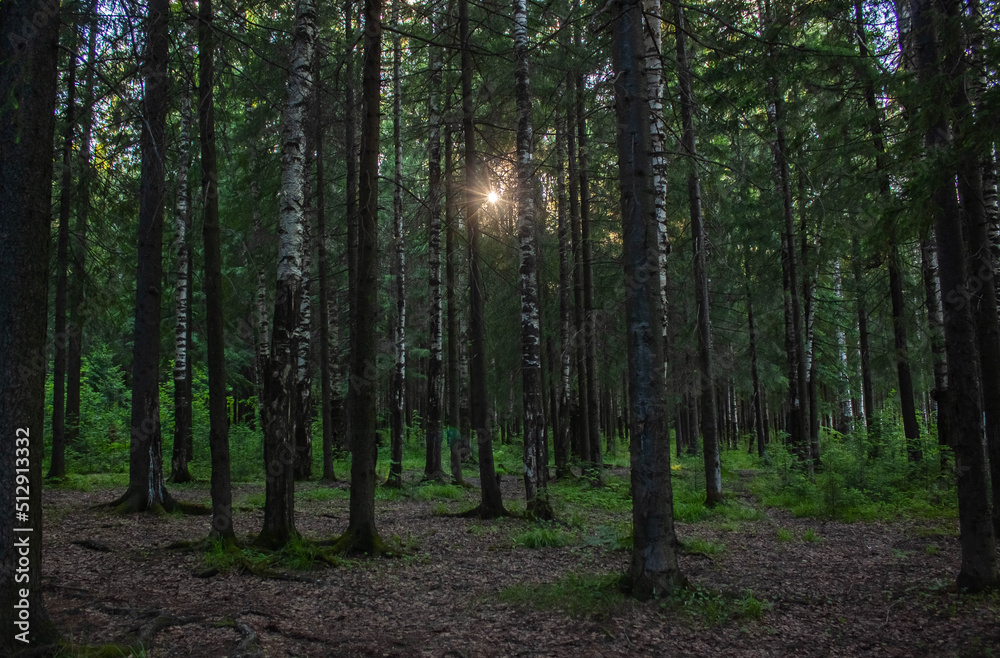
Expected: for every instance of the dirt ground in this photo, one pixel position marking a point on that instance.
(830, 589)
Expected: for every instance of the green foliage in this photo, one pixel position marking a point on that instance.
(613, 537)
(432, 491)
(544, 537)
(811, 536)
(698, 546)
(324, 493)
(784, 534)
(713, 607)
(577, 595)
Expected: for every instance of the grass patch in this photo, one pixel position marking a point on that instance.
(698, 546)
(713, 607)
(324, 493)
(543, 537)
(438, 491)
(251, 501)
(784, 534)
(810, 535)
(614, 537)
(577, 595)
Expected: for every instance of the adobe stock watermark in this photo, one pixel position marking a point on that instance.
(22, 534)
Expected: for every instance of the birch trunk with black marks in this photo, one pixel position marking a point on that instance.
(653, 570)
(709, 427)
(183, 435)
(533, 408)
(962, 404)
(491, 504)
(396, 413)
(279, 378)
(435, 366)
(303, 329)
(57, 465)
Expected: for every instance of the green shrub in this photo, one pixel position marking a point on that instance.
(543, 537)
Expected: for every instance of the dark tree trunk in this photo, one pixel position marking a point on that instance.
(456, 444)
(932, 300)
(57, 465)
(280, 376)
(218, 435)
(864, 348)
(653, 569)
(146, 488)
(74, 356)
(361, 535)
(962, 404)
(327, 412)
(491, 505)
(26, 139)
(562, 439)
(351, 191)
(910, 429)
(709, 428)
(760, 424)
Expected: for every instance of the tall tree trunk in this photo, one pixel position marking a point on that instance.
(864, 347)
(29, 55)
(962, 402)
(562, 442)
(653, 569)
(75, 293)
(57, 465)
(399, 243)
(218, 435)
(845, 419)
(533, 406)
(323, 273)
(303, 326)
(452, 256)
(760, 425)
(183, 435)
(361, 535)
(491, 504)
(146, 488)
(432, 466)
(710, 438)
(910, 428)
(279, 380)
(351, 191)
(935, 324)
(809, 279)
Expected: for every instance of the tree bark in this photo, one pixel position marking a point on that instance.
(864, 347)
(491, 504)
(146, 488)
(533, 407)
(653, 569)
(760, 426)
(57, 465)
(456, 443)
(29, 55)
(962, 404)
(279, 380)
(323, 273)
(351, 192)
(932, 300)
(562, 442)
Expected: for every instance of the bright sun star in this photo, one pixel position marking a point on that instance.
(493, 197)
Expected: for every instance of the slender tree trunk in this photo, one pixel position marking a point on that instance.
(57, 465)
(845, 420)
(303, 326)
(452, 256)
(146, 488)
(351, 191)
(910, 428)
(75, 293)
(864, 348)
(962, 404)
(760, 425)
(710, 438)
(218, 436)
(533, 405)
(398, 240)
(280, 376)
(323, 273)
(361, 535)
(932, 301)
(491, 504)
(30, 56)
(562, 447)
(432, 466)
(183, 434)
(653, 569)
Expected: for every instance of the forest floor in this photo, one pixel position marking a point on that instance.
(762, 582)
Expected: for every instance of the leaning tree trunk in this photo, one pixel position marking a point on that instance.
(361, 535)
(432, 465)
(398, 239)
(57, 465)
(183, 435)
(74, 356)
(709, 429)
(29, 55)
(491, 504)
(962, 404)
(218, 435)
(653, 569)
(533, 406)
(146, 488)
(279, 378)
